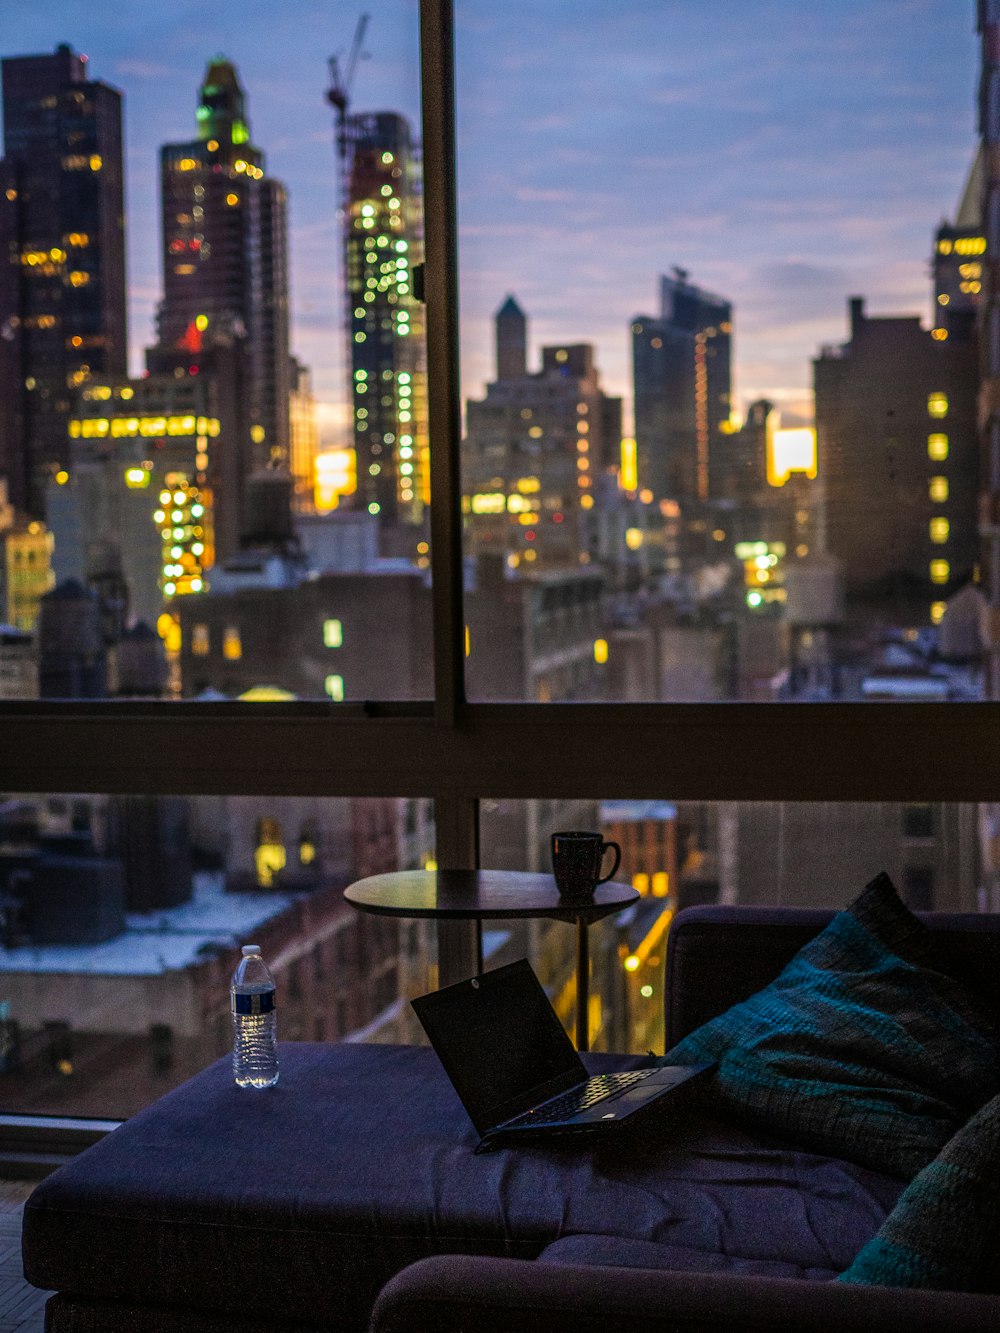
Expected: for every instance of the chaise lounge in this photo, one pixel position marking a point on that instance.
(215, 1211)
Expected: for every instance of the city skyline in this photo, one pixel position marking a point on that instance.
(747, 161)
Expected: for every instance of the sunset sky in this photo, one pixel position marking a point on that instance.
(787, 155)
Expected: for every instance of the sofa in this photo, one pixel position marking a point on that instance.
(349, 1196)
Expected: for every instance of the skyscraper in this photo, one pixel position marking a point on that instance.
(683, 382)
(537, 448)
(225, 252)
(385, 322)
(958, 262)
(62, 258)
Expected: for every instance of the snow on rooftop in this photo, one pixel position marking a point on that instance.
(162, 941)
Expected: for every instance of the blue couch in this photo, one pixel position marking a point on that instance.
(216, 1210)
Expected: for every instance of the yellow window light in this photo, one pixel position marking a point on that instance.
(136, 478)
(334, 687)
(232, 644)
(333, 634)
(633, 538)
(629, 473)
(939, 529)
(937, 448)
(937, 612)
(937, 489)
(600, 651)
(937, 405)
(940, 571)
(632, 963)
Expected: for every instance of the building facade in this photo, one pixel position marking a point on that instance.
(683, 392)
(899, 466)
(384, 320)
(62, 258)
(225, 254)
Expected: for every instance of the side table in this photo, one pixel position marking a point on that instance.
(478, 895)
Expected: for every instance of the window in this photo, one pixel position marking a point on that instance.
(937, 489)
(333, 633)
(646, 723)
(937, 405)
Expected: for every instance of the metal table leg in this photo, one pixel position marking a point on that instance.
(582, 987)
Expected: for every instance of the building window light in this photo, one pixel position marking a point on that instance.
(232, 644)
(937, 612)
(937, 405)
(199, 640)
(334, 687)
(939, 529)
(937, 489)
(333, 633)
(937, 448)
(940, 571)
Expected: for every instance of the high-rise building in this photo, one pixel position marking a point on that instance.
(385, 322)
(535, 449)
(899, 466)
(683, 392)
(62, 258)
(958, 262)
(225, 253)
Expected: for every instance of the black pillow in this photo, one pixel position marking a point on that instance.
(862, 1047)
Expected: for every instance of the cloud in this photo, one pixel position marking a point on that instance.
(796, 276)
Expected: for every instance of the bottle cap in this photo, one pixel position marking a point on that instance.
(249, 949)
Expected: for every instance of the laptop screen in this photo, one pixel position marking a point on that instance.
(500, 1042)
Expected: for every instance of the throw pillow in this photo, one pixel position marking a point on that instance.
(862, 1047)
(944, 1231)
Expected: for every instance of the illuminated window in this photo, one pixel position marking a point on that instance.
(232, 644)
(199, 640)
(937, 612)
(600, 651)
(333, 633)
(937, 489)
(937, 448)
(937, 405)
(939, 529)
(269, 857)
(334, 687)
(940, 571)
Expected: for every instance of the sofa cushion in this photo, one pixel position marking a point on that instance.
(944, 1231)
(310, 1195)
(862, 1047)
(621, 1252)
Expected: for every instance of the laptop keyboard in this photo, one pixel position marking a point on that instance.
(600, 1088)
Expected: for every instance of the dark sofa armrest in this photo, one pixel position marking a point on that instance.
(479, 1294)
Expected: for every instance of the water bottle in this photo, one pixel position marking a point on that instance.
(255, 1055)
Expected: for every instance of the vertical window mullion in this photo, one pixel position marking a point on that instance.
(437, 76)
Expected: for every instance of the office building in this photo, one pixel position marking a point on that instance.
(683, 392)
(536, 448)
(384, 320)
(62, 258)
(225, 254)
(303, 439)
(899, 463)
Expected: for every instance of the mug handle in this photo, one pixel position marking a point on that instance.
(618, 860)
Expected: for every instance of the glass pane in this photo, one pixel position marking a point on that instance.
(682, 854)
(122, 920)
(720, 421)
(213, 449)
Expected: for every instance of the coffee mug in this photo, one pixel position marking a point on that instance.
(576, 863)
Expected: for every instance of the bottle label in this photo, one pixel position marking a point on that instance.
(260, 1003)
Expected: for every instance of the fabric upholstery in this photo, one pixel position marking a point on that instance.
(622, 1252)
(862, 1046)
(360, 1161)
(945, 1229)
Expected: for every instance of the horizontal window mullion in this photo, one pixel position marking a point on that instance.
(864, 752)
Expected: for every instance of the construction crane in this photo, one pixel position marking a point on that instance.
(338, 93)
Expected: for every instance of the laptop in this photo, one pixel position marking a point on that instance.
(515, 1069)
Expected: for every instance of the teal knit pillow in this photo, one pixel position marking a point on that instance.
(862, 1048)
(944, 1231)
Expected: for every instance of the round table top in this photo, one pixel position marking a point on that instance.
(471, 894)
